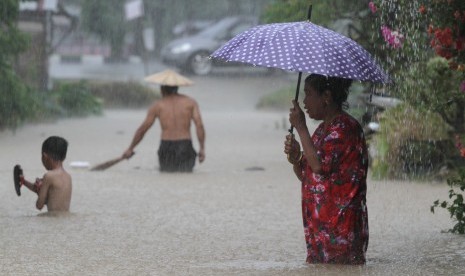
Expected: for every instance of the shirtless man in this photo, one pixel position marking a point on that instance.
(175, 112)
(55, 187)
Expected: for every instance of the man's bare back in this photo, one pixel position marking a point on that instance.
(175, 113)
(55, 191)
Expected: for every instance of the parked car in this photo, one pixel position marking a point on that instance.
(191, 53)
(190, 27)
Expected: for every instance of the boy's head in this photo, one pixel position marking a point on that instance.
(55, 147)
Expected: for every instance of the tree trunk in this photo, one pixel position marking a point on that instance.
(459, 122)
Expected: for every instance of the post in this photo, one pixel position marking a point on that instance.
(47, 26)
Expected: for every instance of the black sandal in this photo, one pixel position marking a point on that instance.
(17, 172)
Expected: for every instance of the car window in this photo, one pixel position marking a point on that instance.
(240, 28)
(217, 28)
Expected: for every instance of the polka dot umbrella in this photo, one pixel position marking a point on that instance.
(302, 47)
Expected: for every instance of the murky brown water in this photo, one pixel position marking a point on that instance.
(227, 218)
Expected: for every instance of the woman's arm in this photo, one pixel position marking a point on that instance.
(297, 119)
(294, 155)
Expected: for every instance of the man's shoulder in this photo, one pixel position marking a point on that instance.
(189, 100)
(180, 99)
(185, 97)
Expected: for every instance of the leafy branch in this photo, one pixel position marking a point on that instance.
(456, 206)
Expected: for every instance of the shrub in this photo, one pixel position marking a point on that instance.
(73, 99)
(434, 87)
(410, 144)
(20, 104)
(456, 207)
(123, 94)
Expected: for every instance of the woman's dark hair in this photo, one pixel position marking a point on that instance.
(338, 87)
(169, 89)
(55, 147)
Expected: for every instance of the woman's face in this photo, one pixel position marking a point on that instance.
(313, 103)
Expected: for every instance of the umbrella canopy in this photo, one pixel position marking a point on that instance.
(302, 47)
(170, 78)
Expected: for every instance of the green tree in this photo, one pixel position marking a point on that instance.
(106, 20)
(13, 93)
(421, 45)
(408, 34)
(350, 18)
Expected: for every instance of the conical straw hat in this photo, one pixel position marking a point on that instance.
(169, 77)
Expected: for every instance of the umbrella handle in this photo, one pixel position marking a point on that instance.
(291, 130)
(309, 14)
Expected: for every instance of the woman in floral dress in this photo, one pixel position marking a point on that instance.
(332, 167)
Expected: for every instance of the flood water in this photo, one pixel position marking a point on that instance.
(238, 214)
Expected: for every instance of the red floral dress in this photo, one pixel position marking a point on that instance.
(334, 208)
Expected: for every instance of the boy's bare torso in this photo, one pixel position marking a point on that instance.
(58, 188)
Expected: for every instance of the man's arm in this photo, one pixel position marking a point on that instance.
(152, 114)
(200, 131)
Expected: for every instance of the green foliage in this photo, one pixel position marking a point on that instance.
(15, 101)
(106, 20)
(26, 105)
(13, 93)
(429, 85)
(438, 91)
(68, 99)
(351, 18)
(410, 144)
(456, 205)
(123, 94)
(12, 41)
(403, 17)
(286, 11)
(447, 29)
(74, 99)
(323, 12)
(423, 82)
(379, 166)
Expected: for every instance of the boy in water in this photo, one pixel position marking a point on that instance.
(54, 189)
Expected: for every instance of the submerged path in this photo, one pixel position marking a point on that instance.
(237, 214)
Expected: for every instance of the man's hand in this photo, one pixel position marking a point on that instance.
(128, 154)
(201, 155)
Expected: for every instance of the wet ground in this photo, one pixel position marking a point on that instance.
(237, 214)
